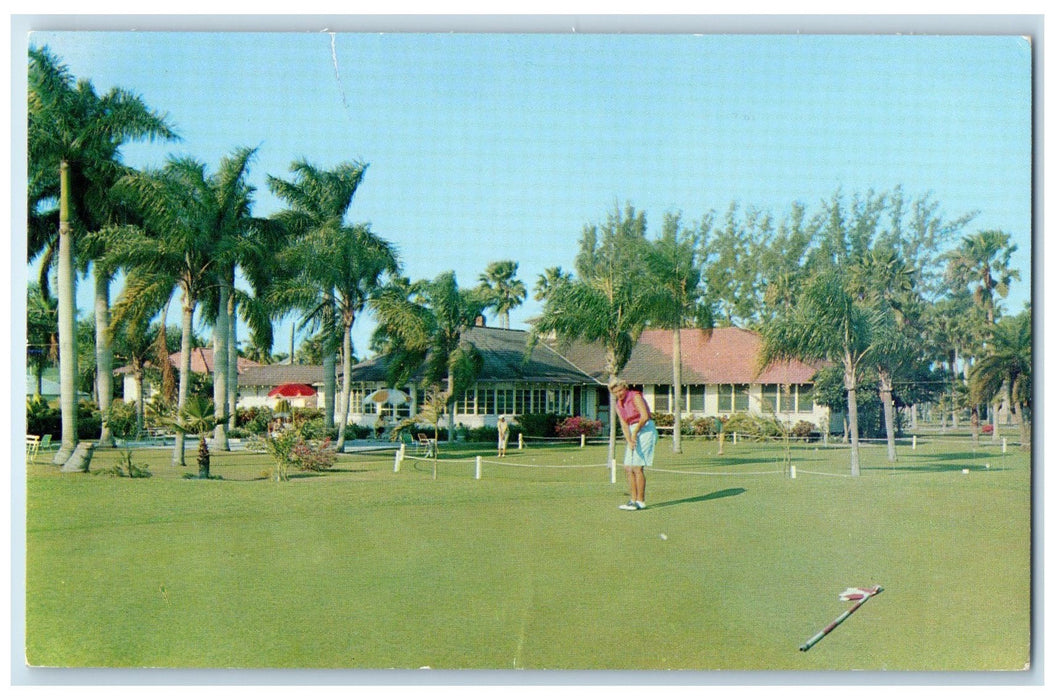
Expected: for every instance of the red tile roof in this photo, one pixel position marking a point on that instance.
(714, 356)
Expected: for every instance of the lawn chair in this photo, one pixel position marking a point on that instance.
(425, 444)
(32, 445)
(45, 444)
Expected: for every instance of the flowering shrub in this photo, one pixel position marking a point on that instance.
(289, 449)
(987, 429)
(577, 425)
(313, 455)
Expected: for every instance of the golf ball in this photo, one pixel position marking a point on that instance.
(966, 471)
(662, 536)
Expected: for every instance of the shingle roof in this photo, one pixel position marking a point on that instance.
(201, 362)
(714, 356)
(503, 353)
(275, 375)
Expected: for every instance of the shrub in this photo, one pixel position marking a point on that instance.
(706, 426)
(486, 433)
(803, 429)
(122, 419)
(539, 424)
(126, 467)
(577, 425)
(987, 429)
(289, 449)
(663, 420)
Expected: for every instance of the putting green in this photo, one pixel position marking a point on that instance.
(733, 565)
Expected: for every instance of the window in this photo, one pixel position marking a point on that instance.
(741, 398)
(696, 395)
(725, 398)
(733, 398)
(770, 398)
(663, 401)
(485, 401)
(504, 401)
(805, 403)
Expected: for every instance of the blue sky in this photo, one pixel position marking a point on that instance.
(503, 146)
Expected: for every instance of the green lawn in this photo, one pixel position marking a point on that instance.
(733, 566)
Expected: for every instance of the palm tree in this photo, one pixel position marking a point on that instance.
(198, 417)
(1007, 365)
(504, 290)
(982, 264)
(351, 261)
(422, 327)
(882, 279)
(983, 261)
(610, 300)
(229, 206)
(71, 131)
(826, 323)
(674, 262)
(549, 279)
(178, 247)
(41, 337)
(318, 200)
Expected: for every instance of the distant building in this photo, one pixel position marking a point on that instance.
(720, 377)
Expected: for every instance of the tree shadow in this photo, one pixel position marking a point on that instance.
(724, 493)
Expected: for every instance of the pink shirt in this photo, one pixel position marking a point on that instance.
(628, 409)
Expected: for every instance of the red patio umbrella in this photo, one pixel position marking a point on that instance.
(291, 391)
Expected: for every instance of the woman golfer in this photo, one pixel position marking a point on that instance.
(640, 432)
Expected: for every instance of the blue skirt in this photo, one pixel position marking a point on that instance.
(644, 448)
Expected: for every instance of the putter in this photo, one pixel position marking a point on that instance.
(861, 595)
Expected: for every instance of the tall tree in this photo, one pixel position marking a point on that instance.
(609, 300)
(71, 131)
(1007, 365)
(674, 264)
(351, 261)
(422, 326)
(503, 290)
(826, 323)
(318, 200)
(983, 263)
(41, 333)
(178, 246)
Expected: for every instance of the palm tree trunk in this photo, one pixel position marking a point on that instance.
(104, 354)
(346, 384)
(137, 379)
(220, 341)
(851, 417)
(329, 368)
(886, 396)
(677, 389)
(184, 374)
(232, 363)
(67, 304)
(1024, 426)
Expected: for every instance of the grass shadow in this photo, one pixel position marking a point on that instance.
(724, 493)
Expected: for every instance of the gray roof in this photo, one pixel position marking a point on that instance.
(505, 359)
(275, 375)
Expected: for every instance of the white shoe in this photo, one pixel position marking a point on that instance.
(639, 505)
(629, 505)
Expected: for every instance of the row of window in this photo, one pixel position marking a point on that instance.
(735, 398)
(732, 398)
(487, 401)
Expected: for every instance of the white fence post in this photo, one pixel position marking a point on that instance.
(612, 469)
(520, 441)
(582, 440)
(479, 465)
(913, 443)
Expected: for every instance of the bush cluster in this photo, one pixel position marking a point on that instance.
(539, 424)
(575, 426)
